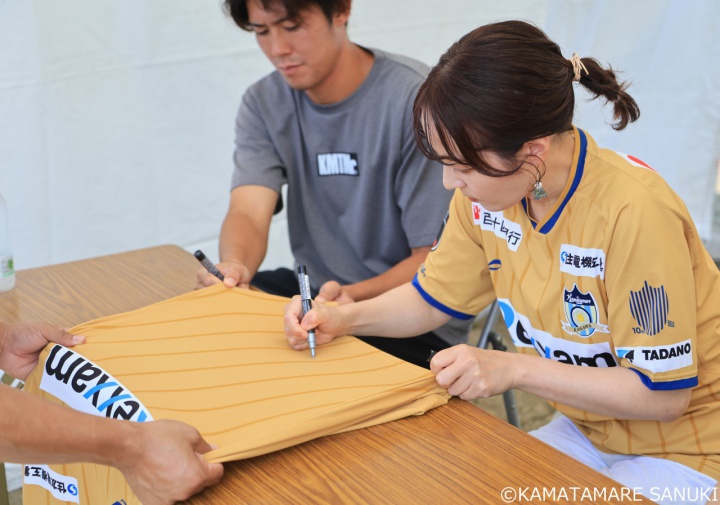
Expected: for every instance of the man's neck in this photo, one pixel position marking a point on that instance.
(353, 67)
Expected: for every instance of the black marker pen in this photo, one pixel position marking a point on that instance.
(208, 265)
(304, 283)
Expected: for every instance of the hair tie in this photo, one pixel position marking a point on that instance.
(578, 67)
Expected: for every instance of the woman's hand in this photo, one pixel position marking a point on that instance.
(469, 372)
(325, 319)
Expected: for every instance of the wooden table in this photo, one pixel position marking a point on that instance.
(453, 454)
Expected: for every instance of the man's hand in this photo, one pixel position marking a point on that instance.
(20, 345)
(332, 291)
(236, 274)
(164, 463)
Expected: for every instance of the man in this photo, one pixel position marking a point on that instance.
(333, 123)
(161, 460)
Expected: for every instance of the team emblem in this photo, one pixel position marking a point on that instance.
(649, 307)
(581, 313)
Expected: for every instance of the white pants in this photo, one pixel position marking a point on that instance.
(661, 480)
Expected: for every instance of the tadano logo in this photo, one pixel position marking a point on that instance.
(660, 358)
(88, 388)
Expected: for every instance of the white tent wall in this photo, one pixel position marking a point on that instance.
(116, 117)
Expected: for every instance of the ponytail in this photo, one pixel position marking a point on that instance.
(603, 82)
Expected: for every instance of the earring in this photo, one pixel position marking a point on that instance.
(538, 191)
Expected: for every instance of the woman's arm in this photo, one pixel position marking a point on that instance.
(400, 312)
(617, 392)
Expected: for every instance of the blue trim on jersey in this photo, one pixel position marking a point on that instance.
(667, 386)
(576, 181)
(432, 301)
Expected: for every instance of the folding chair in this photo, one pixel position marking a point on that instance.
(489, 337)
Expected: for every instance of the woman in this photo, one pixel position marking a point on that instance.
(604, 284)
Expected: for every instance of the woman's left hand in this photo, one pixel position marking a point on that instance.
(468, 372)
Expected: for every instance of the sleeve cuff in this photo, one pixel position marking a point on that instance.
(690, 382)
(443, 308)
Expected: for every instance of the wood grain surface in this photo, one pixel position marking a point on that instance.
(68, 294)
(453, 454)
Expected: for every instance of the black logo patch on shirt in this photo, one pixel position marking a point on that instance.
(337, 164)
(649, 306)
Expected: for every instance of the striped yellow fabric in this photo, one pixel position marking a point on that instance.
(218, 360)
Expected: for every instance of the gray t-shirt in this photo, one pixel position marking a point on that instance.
(360, 193)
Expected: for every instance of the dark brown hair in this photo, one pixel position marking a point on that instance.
(502, 85)
(237, 9)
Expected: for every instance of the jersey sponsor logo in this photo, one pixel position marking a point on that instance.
(581, 313)
(495, 265)
(649, 306)
(510, 231)
(634, 161)
(548, 346)
(582, 262)
(442, 229)
(337, 164)
(86, 387)
(662, 358)
(62, 487)
(120, 502)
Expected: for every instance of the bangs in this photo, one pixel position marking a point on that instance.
(423, 131)
(442, 119)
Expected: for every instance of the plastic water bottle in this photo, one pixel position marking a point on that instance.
(7, 268)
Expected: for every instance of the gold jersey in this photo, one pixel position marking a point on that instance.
(614, 275)
(218, 360)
